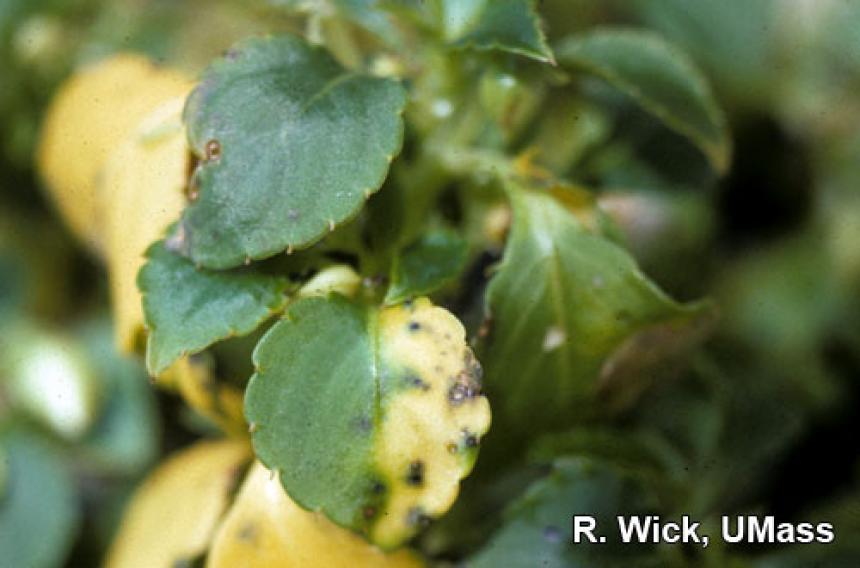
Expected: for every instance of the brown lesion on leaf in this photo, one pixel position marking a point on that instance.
(247, 532)
(213, 151)
(415, 473)
(466, 384)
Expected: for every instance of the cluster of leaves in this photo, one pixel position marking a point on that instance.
(364, 393)
(382, 151)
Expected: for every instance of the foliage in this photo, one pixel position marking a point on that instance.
(622, 232)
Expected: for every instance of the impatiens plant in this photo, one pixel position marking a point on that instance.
(390, 255)
(316, 198)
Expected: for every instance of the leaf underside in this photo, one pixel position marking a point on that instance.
(569, 298)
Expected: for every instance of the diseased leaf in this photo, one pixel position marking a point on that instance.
(538, 528)
(216, 400)
(143, 192)
(370, 415)
(186, 309)
(290, 143)
(94, 113)
(425, 266)
(658, 77)
(155, 530)
(266, 529)
(570, 299)
(507, 25)
(38, 506)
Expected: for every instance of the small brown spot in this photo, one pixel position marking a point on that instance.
(213, 151)
(415, 473)
(369, 512)
(248, 532)
(463, 389)
(414, 326)
(452, 448)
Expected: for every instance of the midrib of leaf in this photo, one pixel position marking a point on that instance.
(373, 330)
(328, 87)
(562, 317)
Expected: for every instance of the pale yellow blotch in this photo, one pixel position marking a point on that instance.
(266, 529)
(91, 115)
(339, 278)
(216, 400)
(429, 422)
(142, 189)
(174, 514)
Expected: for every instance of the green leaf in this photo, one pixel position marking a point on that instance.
(428, 264)
(576, 303)
(186, 309)
(658, 77)
(38, 509)
(538, 528)
(290, 143)
(371, 415)
(47, 375)
(124, 438)
(507, 25)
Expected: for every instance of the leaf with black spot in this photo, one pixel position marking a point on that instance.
(350, 404)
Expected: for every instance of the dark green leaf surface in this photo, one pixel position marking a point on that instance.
(38, 507)
(570, 299)
(435, 259)
(508, 25)
(291, 145)
(186, 309)
(538, 530)
(660, 78)
(372, 416)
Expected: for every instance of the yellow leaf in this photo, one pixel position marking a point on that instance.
(218, 401)
(142, 191)
(266, 529)
(429, 437)
(339, 278)
(174, 514)
(91, 115)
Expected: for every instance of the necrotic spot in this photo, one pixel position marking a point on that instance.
(415, 473)
(213, 150)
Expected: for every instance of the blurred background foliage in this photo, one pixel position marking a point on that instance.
(765, 419)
